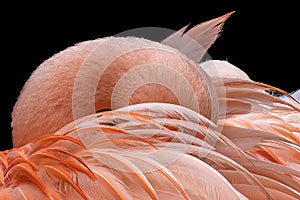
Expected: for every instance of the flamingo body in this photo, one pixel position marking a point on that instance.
(176, 127)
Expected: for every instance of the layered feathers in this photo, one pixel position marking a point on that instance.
(229, 140)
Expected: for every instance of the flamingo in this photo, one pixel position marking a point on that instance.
(130, 118)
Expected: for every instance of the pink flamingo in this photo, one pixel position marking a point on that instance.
(172, 129)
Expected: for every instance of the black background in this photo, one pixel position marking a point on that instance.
(260, 39)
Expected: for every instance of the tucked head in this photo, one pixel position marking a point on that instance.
(114, 72)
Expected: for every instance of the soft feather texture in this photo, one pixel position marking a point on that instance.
(107, 73)
(108, 62)
(239, 142)
(126, 154)
(195, 42)
(113, 159)
(261, 125)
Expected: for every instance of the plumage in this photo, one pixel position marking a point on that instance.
(175, 127)
(196, 41)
